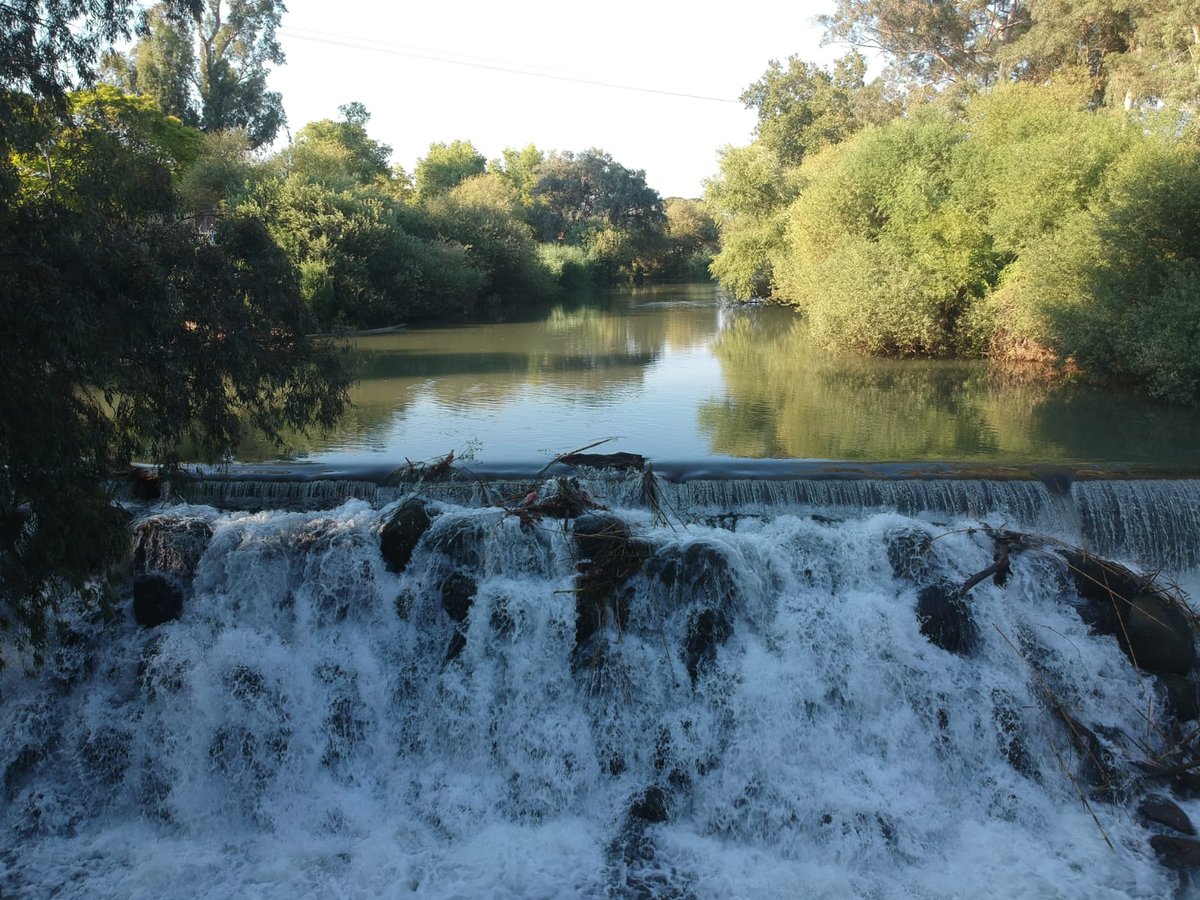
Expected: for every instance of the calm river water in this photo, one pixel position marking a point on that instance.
(673, 373)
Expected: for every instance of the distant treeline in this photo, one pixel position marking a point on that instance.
(1022, 182)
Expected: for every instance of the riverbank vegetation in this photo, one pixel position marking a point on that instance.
(1022, 182)
(166, 265)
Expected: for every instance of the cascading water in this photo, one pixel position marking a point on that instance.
(754, 712)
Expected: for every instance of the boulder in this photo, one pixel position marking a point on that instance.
(157, 599)
(1104, 589)
(400, 534)
(458, 593)
(460, 538)
(946, 619)
(1176, 852)
(909, 552)
(1182, 700)
(1157, 635)
(650, 805)
(171, 544)
(1164, 811)
(698, 570)
(607, 557)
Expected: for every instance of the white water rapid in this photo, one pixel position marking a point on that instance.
(758, 715)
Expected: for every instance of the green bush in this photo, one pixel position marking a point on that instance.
(569, 265)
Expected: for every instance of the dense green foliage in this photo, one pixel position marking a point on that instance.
(126, 332)
(162, 281)
(1039, 207)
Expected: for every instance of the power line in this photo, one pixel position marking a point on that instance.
(475, 62)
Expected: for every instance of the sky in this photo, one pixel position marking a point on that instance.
(393, 57)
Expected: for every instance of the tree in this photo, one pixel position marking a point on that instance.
(804, 107)
(520, 169)
(591, 191)
(692, 240)
(49, 46)
(932, 41)
(340, 154)
(124, 332)
(446, 165)
(125, 335)
(207, 64)
(1148, 49)
(747, 198)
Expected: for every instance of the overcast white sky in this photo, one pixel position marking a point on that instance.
(386, 54)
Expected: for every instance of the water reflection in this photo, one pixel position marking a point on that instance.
(787, 399)
(676, 375)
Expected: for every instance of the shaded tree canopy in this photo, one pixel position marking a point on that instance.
(125, 332)
(591, 189)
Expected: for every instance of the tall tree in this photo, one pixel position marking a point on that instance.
(123, 332)
(207, 63)
(49, 46)
(932, 41)
(1148, 50)
(520, 169)
(804, 107)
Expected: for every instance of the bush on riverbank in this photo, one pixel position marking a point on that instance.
(1024, 226)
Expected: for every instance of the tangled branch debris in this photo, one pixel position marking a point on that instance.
(569, 501)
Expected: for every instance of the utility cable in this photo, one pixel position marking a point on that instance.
(339, 40)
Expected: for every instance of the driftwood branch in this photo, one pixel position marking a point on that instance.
(998, 570)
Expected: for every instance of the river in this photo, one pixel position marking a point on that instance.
(672, 372)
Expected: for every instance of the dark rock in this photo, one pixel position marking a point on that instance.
(171, 544)
(1105, 590)
(607, 557)
(459, 539)
(1160, 809)
(157, 599)
(402, 532)
(1182, 700)
(1157, 635)
(908, 551)
(596, 535)
(1097, 764)
(946, 619)
(706, 631)
(650, 805)
(599, 668)
(1176, 852)
(699, 571)
(145, 484)
(458, 593)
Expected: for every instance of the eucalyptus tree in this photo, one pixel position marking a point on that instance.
(936, 41)
(206, 62)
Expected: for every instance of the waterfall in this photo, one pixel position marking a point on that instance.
(754, 708)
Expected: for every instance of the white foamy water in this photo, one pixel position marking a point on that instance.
(310, 727)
